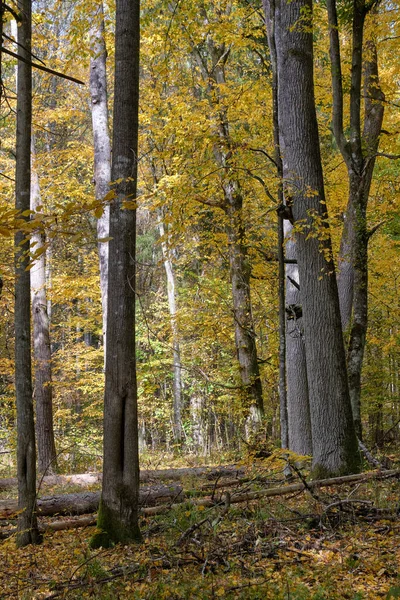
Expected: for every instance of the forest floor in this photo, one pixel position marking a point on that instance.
(332, 543)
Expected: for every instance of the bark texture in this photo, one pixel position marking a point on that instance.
(299, 419)
(118, 513)
(293, 385)
(28, 532)
(102, 146)
(359, 152)
(43, 391)
(334, 441)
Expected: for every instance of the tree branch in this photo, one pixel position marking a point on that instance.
(40, 67)
(337, 80)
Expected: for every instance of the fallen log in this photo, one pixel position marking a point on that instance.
(88, 502)
(146, 475)
(233, 499)
(279, 491)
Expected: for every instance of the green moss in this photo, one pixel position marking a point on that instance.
(111, 529)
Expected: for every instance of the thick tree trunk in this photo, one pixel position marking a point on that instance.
(334, 441)
(28, 532)
(299, 420)
(43, 391)
(176, 353)
(102, 146)
(118, 513)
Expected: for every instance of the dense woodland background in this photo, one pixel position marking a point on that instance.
(185, 324)
(259, 308)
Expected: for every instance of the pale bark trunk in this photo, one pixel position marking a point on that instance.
(283, 391)
(299, 420)
(118, 513)
(176, 353)
(43, 391)
(28, 532)
(334, 441)
(198, 422)
(102, 146)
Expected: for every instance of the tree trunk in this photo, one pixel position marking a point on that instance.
(118, 512)
(335, 447)
(299, 419)
(176, 353)
(28, 532)
(359, 153)
(43, 391)
(293, 386)
(102, 146)
(245, 337)
(240, 271)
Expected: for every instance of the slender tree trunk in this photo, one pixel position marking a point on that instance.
(177, 367)
(359, 153)
(240, 270)
(43, 391)
(334, 441)
(118, 512)
(299, 419)
(102, 146)
(28, 532)
(283, 393)
(245, 337)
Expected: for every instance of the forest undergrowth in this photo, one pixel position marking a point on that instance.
(338, 542)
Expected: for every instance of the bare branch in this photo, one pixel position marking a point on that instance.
(265, 154)
(40, 67)
(391, 156)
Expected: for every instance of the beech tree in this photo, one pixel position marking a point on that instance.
(28, 531)
(334, 440)
(102, 146)
(118, 512)
(43, 390)
(293, 384)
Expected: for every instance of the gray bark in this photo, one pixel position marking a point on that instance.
(334, 441)
(359, 153)
(299, 419)
(118, 513)
(198, 422)
(43, 391)
(176, 353)
(102, 146)
(28, 532)
(293, 385)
